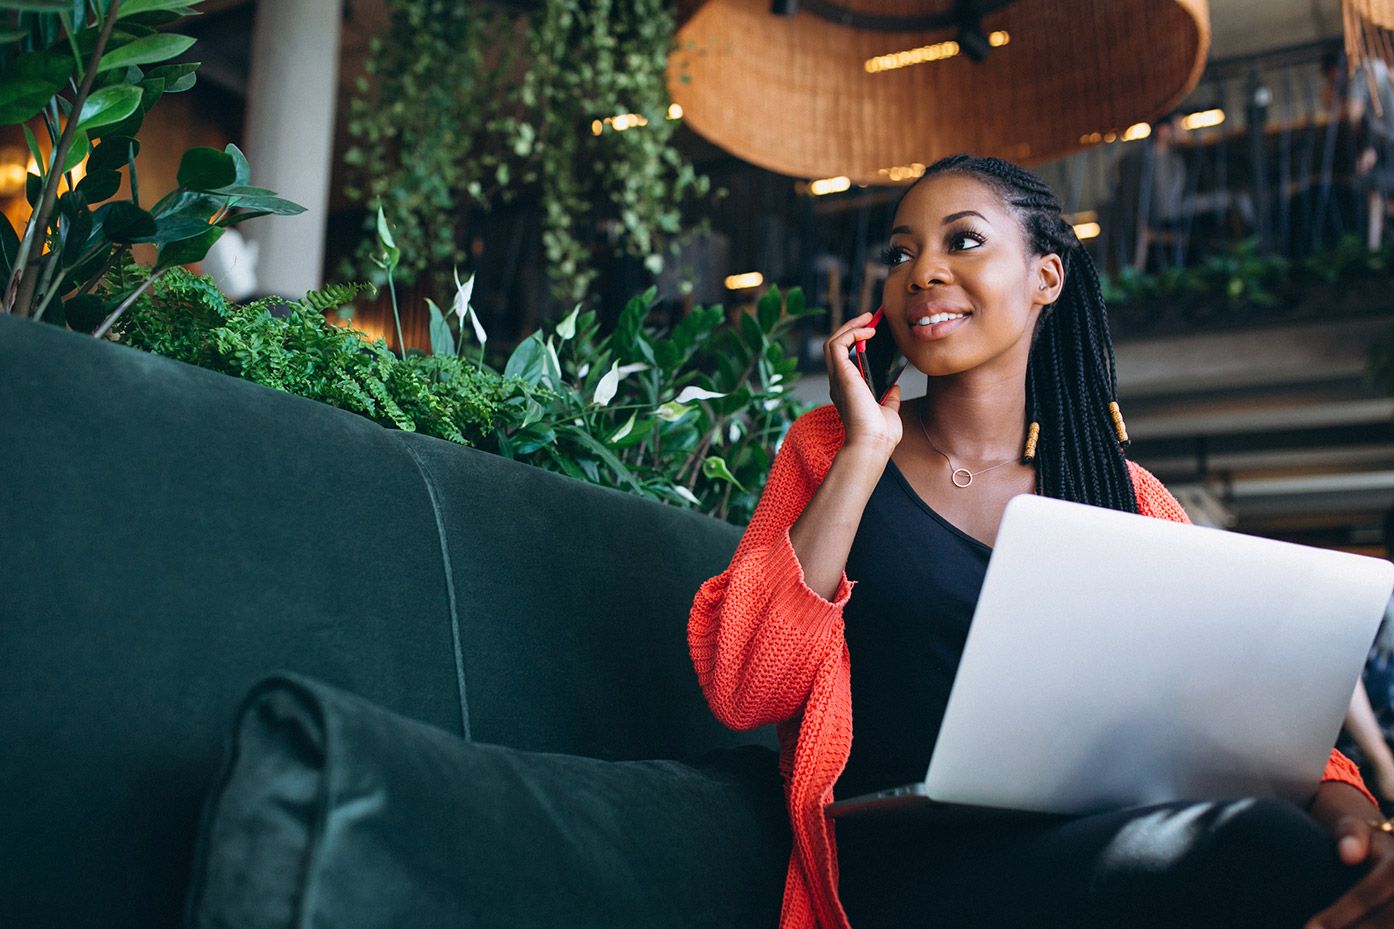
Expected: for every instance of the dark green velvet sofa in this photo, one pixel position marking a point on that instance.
(170, 537)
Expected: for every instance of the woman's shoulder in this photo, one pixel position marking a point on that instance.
(1153, 499)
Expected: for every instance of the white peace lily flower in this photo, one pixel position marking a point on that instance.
(567, 327)
(687, 495)
(631, 369)
(696, 393)
(585, 369)
(609, 383)
(626, 429)
(461, 307)
(735, 431)
(552, 354)
(462, 294)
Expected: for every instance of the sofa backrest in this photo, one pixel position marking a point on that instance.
(170, 535)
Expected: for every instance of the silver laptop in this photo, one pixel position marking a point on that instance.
(1117, 660)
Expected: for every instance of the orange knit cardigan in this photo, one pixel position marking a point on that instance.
(768, 649)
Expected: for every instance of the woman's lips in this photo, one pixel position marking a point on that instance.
(938, 330)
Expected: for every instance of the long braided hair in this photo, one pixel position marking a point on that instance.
(1070, 375)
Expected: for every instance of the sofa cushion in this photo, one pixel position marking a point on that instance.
(333, 811)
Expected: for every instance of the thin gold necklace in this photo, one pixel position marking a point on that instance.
(968, 475)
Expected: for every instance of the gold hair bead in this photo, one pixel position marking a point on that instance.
(1031, 437)
(1118, 426)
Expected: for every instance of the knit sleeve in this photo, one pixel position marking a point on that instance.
(757, 633)
(1155, 500)
(1341, 769)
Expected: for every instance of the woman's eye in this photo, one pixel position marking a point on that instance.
(963, 241)
(894, 255)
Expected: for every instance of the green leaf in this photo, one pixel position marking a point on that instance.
(99, 185)
(85, 313)
(124, 222)
(243, 173)
(38, 6)
(598, 448)
(9, 247)
(714, 467)
(265, 206)
(242, 190)
(188, 203)
(188, 251)
(112, 154)
(133, 7)
(76, 227)
(28, 82)
(206, 169)
(33, 145)
(241, 214)
(177, 85)
(77, 152)
(176, 227)
(109, 105)
(442, 341)
(152, 48)
(526, 360)
(767, 309)
(33, 188)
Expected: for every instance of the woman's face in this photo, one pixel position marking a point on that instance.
(964, 291)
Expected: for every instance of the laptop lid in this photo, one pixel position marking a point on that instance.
(1117, 660)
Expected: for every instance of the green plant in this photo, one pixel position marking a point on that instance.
(689, 415)
(88, 71)
(291, 347)
(465, 106)
(1246, 276)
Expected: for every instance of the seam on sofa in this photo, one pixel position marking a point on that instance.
(449, 587)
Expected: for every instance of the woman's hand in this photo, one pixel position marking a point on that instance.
(1370, 903)
(866, 423)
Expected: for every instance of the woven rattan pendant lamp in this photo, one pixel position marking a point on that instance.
(1369, 29)
(870, 89)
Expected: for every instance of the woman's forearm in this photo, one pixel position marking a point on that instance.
(822, 536)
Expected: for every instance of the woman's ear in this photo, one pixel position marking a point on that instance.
(1049, 278)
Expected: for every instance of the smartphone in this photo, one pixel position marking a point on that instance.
(884, 364)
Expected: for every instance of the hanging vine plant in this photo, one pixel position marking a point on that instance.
(465, 106)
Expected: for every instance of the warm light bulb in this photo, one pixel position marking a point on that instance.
(829, 185)
(1203, 119)
(745, 281)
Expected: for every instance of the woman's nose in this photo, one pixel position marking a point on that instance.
(929, 270)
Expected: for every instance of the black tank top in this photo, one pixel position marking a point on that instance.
(918, 579)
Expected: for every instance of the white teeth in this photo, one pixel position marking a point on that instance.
(938, 318)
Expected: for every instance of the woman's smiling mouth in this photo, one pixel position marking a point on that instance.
(934, 323)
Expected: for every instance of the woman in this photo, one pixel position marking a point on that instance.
(991, 295)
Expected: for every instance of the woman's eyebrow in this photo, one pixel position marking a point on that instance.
(898, 230)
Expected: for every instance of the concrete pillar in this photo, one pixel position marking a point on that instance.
(290, 135)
